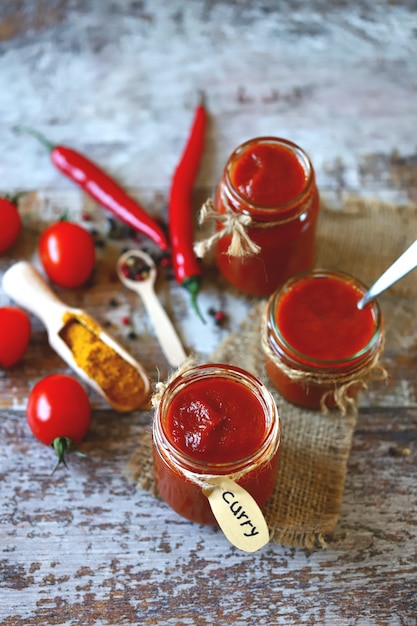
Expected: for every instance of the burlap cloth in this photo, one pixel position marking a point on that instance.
(363, 238)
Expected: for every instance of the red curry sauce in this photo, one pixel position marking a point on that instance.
(271, 180)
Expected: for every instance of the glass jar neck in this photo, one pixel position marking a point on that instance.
(234, 200)
(297, 360)
(186, 463)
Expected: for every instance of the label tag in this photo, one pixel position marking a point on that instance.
(237, 514)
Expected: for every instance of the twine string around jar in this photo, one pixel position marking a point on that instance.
(237, 225)
(206, 481)
(342, 383)
(234, 224)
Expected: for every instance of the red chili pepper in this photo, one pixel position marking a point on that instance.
(187, 267)
(102, 188)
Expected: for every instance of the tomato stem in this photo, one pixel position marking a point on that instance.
(192, 285)
(63, 446)
(31, 131)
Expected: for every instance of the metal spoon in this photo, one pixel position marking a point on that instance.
(137, 271)
(400, 268)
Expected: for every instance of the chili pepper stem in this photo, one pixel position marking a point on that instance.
(192, 285)
(62, 446)
(31, 131)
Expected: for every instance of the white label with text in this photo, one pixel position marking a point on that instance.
(237, 514)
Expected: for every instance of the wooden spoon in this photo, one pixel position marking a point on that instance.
(137, 271)
(24, 284)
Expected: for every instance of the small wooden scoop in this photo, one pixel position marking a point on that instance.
(164, 329)
(126, 386)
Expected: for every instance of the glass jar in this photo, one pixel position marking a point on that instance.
(320, 349)
(272, 181)
(214, 420)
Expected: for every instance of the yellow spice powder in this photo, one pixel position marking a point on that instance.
(120, 381)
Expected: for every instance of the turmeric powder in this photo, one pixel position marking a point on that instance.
(120, 381)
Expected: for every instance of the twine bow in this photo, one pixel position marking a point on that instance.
(340, 394)
(234, 224)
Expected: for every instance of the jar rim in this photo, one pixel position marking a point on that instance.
(309, 361)
(267, 211)
(272, 435)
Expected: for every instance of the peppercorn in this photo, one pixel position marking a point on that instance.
(166, 261)
(219, 316)
(135, 269)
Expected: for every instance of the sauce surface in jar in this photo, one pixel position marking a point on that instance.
(268, 174)
(318, 344)
(214, 420)
(217, 421)
(320, 319)
(272, 181)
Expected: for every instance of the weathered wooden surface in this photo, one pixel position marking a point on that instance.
(119, 83)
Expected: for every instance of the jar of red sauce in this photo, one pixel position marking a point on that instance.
(214, 420)
(272, 182)
(320, 348)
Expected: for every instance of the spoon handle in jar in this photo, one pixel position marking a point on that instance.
(164, 329)
(400, 268)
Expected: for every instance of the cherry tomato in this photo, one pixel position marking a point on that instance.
(58, 406)
(67, 253)
(14, 335)
(10, 224)
(59, 412)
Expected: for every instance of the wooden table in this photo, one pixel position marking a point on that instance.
(119, 81)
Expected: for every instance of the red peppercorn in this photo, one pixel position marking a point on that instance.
(220, 316)
(126, 320)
